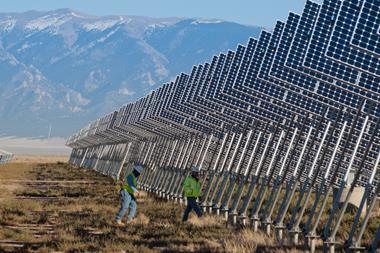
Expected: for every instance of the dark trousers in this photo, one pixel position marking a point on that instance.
(191, 204)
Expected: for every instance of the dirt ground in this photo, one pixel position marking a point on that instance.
(56, 208)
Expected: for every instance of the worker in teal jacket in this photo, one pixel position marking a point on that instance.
(127, 196)
(192, 191)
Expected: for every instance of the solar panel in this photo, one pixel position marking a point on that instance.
(199, 95)
(367, 29)
(257, 83)
(172, 119)
(315, 58)
(226, 96)
(208, 110)
(145, 123)
(288, 65)
(161, 116)
(195, 115)
(269, 96)
(215, 87)
(199, 90)
(176, 113)
(335, 69)
(339, 46)
(177, 95)
(228, 74)
(5, 157)
(291, 95)
(149, 126)
(263, 80)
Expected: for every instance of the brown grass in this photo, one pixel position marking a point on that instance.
(141, 220)
(245, 241)
(40, 158)
(205, 221)
(15, 171)
(83, 218)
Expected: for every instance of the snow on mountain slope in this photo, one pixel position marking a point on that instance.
(65, 68)
(102, 25)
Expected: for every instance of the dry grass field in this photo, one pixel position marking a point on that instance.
(40, 158)
(52, 207)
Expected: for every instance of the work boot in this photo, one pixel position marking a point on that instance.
(120, 223)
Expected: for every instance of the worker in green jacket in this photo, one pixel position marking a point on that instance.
(128, 196)
(192, 191)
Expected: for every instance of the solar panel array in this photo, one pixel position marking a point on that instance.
(307, 92)
(5, 157)
(296, 69)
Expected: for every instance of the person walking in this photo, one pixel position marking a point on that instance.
(192, 191)
(127, 196)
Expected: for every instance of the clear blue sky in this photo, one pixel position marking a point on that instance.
(252, 12)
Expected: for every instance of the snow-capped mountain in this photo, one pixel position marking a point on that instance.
(63, 68)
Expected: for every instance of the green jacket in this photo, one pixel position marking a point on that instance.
(131, 185)
(191, 187)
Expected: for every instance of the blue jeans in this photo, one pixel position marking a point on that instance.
(127, 201)
(191, 204)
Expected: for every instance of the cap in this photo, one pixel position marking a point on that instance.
(194, 168)
(139, 168)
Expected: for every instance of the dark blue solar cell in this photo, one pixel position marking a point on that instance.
(203, 92)
(318, 62)
(254, 103)
(175, 107)
(222, 85)
(346, 31)
(315, 57)
(202, 111)
(291, 41)
(206, 107)
(235, 101)
(268, 92)
(295, 57)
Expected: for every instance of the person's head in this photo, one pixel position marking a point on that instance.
(195, 171)
(137, 170)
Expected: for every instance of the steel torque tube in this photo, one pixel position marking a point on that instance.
(163, 166)
(172, 168)
(162, 163)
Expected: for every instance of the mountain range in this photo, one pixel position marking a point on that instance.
(60, 69)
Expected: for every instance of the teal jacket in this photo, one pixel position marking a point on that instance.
(131, 185)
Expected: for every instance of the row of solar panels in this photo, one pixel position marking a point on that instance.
(5, 157)
(309, 67)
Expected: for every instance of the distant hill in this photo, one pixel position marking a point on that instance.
(63, 68)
